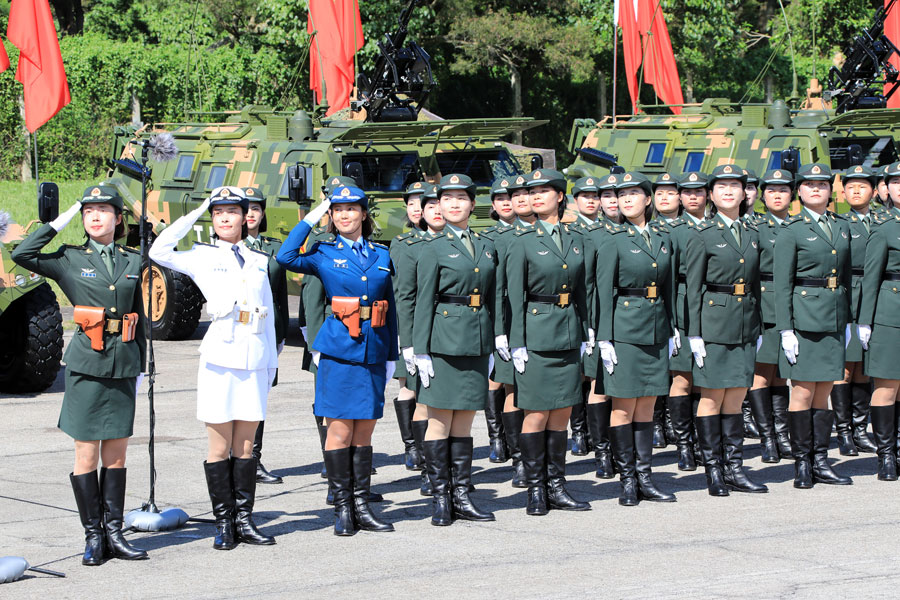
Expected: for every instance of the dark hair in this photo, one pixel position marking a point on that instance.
(244, 231)
(118, 232)
(561, 210)
(830, 194)
(411, 225)
(368, 225)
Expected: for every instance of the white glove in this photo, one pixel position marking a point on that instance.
(60, 222)
(303, 333)
(409, 357)
(608, 355)
(847, 336)
(865, 334)
(313, 217)
(137, 384)
(758, 343)
(592, 341)
(790, 345)
(280, 348)
(502, 345)
(490, 363)
(315, 356)
(677, 339)
(519, 358)
(673, 349)
(425, 367)
(698, 349)
(390, 367)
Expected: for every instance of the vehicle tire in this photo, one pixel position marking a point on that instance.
(177, 303)
(31, 342)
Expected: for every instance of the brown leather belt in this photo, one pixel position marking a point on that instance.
(737, 289)
(641, 292)
(823, 282)
(473, 300)
(561, 300)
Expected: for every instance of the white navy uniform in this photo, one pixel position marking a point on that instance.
(238, 355)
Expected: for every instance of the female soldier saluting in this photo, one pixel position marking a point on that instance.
(812, 311)
(103, 360)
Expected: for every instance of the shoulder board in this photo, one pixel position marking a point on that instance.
(403, 236)
(524, 230)
(205, 244)
(597, 225)
(835, 215)
(798, 218)
(413, 240)
(489, 230)
(260, 252)
(377, 245)
(318, 230)
(574, 228)
(661, 227)
(266, 238)
(751, 225)
(703, 225)
(437, 236)
(76, 246)
(128, 249)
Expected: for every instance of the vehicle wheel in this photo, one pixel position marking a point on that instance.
(176, 303)
(31, 342)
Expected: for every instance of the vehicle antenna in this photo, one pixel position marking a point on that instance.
(794, 93)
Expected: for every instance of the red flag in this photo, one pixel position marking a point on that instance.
(40, 69)
(4, 58)
(892, 31)
(660, 69)
(338, 30)
(631, 45)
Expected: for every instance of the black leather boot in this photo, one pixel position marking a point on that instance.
(340, 478)
(558, 496)
(87, 498)
(733, 448)
(112, 487)
(578, 422)
(781, 397)
(221, 495)
(244, 476)
(361, 459)
(862, 399)
(419, 428)
(644, 432)
(843, 410)
(800, 422)
(461, 478)
(262, 475)
(761, 403)
(695, 404)
(659, 422)
(323, 433)
(598, 424)
(671, 437)
(621, 439)
(822, 472)
(405, 410)
(897, 429)
(512, 428)
(437, 463)
(709, 429)
(884, 427)
(683, 423)
(751, 430)
(493, 409)
(534, 456)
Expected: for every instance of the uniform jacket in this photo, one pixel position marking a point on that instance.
(859, 238)
(85, 281)
(500, 235)
(446, 267)
(536, 266)
(335, 264)
(680, 230)
(278, 282)
(803, 250)
(767, 227)
(880, 297)
(405, 249)
(228, 288)
(713, 256)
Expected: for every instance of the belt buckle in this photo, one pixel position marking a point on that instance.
(365, 313)
(831, 282)
(740, 289)
(475, 300)
(652, 292)
(563, 300)
(113, 326)
(243, 316)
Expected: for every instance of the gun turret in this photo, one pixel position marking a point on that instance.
(860, 82)
(401, 79)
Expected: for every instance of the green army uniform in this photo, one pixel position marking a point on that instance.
(501, 235)
(880, 306)
(404, 258)
(100, 385)
(860, 227)
(812, 293)
(680, 230)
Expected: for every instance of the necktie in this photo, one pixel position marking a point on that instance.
(255, 244)
(736, 232)
(358, 251)
(825, 225)
(237, 254)
(555, 236)
(107, 258)
(865, 221)
(646, 235)
(464, 236)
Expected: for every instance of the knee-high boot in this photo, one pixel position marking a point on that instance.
(87, 497)
(419, 428)
(437, 463)
(340, 479)
(800, 422)
(262, 475)
(244, 476)
(781, 396)
(323, 433)
(862, 400)
(512, 427)
(761, 403)
(750, 428)
(821, 470)
(733, 447)
(578, 423)
(842, 404)
(598, 424)
(493, 409)
(558, 496)
(621, 438)
(405, 410)
(534, 456)
(659, 422)
(884, 428)
(644, 432)
(112, 487)
(461, 479)
(695, 404)
(709, 429)
(361, 460)
(221, 495)
(683, 423)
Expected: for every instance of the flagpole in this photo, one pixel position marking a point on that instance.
(615, 60)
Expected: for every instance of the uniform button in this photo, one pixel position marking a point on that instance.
(474, 310)
(365, 297)
(112, 287)
(739, 299)
(364, 278)
(741, 280)
(626, 303)
(475, 291)
(534, 311)
(565, 286)
(762, 289)
(741, 261)
(565, 266)
(834, 251)
(893, 289)
(834, 270)
(445, 313)
(653, 265)
(112, 309)
(710, 302)
(803, 293)
(652, 283)
(476, 269)
(653, 302)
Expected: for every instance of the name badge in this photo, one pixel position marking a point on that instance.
(340, 263)
(88, 273)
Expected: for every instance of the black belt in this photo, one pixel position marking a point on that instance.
(473, 300)
(766, 277)
(738, 289)
(641, 292)
(823, 282)
(889, 276)
(682, 279)
(558, 299)
(857, 272)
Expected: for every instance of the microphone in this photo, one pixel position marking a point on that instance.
(160, 147)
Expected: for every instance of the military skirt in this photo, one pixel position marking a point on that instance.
(881, 357)
(854, 350)
(458, 383)
(771, 346)
(683, 361)
(590, 364)
(97, 408)
(348, 390)
(725, 366)
(503, 371)
(821, 357)
(642, 370)
(551, 380)
(225, 394)
(401, 372)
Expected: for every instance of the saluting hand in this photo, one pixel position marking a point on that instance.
(315, 215)
(865, 334)
(790, 345)
(60, 222)
(608, 355)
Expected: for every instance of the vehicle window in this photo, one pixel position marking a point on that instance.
(383, 172)
(185, 167)
(655, 153)
(483, 166)
(693, 162)
(216, 177)
(775, 160)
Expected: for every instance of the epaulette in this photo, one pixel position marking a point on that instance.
(205, 244)
(266, 238)
(835, 216)
(704, 225)
(614, 227)
(489, 230)
(377, 245)
(437, 236)
(798, 218)
(678, 222)
(404, 236)
(318, 230)
(751, 225)
(414, 239)
(661, 228)
(523, 230)
(128, 249)
(575, 228)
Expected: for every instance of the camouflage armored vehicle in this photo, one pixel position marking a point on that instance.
(31, 333)
(847, 125)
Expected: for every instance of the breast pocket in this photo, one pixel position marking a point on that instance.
(887, 311)
(808, 307)
(630, 323)
(715, 318)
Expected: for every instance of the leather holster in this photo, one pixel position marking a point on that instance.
(347, 310)
(379, 313)
(129, 326)
(92, 320)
